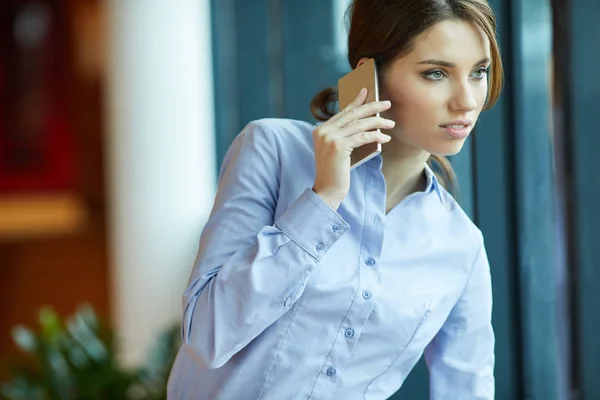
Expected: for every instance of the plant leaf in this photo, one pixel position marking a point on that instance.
(24, 338)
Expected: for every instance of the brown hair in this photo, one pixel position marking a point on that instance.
(385, 30)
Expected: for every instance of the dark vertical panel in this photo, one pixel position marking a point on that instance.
(563, 239)
(247, 64)
(276, 48)
(254, 60)
(225, 71)
(567, 370)
(531, 60)
(309, 58)
(584, 115)
(495, 216)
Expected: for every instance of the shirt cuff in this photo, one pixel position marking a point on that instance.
(312, 224)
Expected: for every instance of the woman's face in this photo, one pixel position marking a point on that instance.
(439, 88)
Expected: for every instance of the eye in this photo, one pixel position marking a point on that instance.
(435, 75)
(480, 73)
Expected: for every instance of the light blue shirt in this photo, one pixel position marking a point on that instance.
(289, 299)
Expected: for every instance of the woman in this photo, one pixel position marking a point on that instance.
(313, 281)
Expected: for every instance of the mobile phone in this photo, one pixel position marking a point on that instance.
(349, 86)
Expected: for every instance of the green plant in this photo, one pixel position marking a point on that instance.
(76, 359)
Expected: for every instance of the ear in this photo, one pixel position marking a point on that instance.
(362, 61)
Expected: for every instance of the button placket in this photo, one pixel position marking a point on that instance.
(369, 253)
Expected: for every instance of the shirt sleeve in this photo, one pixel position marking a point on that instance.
(461, 356)
(250, 269)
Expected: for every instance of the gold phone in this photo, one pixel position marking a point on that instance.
(349, 86)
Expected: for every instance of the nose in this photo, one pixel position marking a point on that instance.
(463, 97)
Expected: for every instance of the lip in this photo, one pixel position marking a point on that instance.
(465, 122)
(458, 133)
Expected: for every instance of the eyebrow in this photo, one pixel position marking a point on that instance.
(450, 65)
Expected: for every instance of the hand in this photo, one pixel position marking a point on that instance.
(335, 139)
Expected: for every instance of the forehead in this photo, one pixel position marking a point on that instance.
(454, 41)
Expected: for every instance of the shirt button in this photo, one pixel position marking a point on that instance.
(330, 371)
(349, 333)
(376, 219)
(366, 295)
(370, 261)
(320, 247)
(337, 228)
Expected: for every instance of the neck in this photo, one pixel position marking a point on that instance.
(404, 172)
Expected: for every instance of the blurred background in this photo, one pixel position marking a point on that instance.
(116, 114)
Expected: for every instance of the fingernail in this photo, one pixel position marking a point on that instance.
(363, 91)
(387, 103)
(390, 123)
(387, 137)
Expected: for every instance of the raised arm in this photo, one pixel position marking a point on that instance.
(250, 268)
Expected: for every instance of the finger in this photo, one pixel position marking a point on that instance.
(365, 124)
(362, 138)
(358, 101)
(363, 111)
(360, 98)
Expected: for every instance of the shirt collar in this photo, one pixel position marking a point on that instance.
(433, 184)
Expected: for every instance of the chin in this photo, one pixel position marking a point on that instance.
(447, 149)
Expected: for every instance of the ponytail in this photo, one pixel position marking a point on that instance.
(323, 105)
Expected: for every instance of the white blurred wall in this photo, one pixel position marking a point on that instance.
(160, 159)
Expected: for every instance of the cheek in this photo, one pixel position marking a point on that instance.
(481, 96)
(418, 107)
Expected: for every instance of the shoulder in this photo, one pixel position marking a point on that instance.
(273, 143)
(278, 131)
(270, 145)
